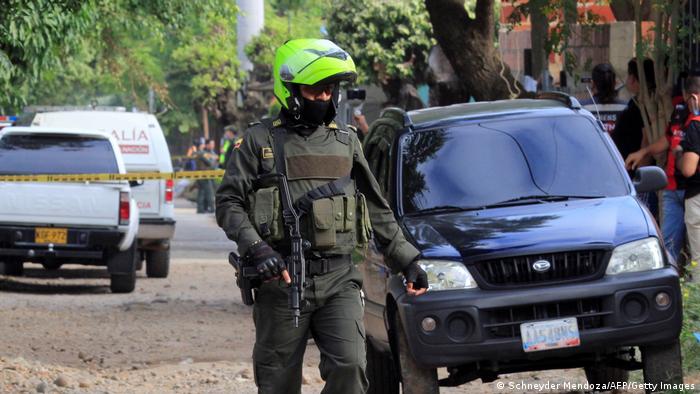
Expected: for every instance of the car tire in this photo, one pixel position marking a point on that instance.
(122, 283)
(157, 263)
(604, 375)
(414, 379)
(51, 266)
(662, 363)
(381, 372)
(12, 268)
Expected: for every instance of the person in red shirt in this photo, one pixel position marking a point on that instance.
(673, 222)
(689, 168)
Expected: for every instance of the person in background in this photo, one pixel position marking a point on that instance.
(689, 168)
(604, 103)
(191, 163)
(226, 145)
(603, 81)
(628, 134)
(207, 159)
(673, 206)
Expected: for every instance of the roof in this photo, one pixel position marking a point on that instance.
(484, 109)
(54, 130)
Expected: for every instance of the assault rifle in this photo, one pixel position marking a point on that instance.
(296, 264)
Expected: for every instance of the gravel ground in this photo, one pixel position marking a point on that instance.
(64, 332)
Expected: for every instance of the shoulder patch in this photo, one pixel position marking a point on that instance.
(266, 153)
(238, 143)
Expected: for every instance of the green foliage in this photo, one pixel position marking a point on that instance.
(387, 39)
(208, 55)
(691, 324)
(111, 52)
(306, 17)
(36, 35)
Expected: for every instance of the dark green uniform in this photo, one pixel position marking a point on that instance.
(333, 317)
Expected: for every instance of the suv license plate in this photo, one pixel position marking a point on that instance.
(44, 235)
(550, 334)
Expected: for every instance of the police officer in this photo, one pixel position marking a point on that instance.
(307, 73)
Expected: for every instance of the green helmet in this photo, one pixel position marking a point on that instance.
(309, 62)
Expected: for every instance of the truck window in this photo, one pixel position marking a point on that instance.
(56, 154)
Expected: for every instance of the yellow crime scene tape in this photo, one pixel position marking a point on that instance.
(133, 176)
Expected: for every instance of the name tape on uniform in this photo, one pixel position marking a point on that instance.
(133, 176)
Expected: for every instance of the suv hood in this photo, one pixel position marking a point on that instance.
(529, 228)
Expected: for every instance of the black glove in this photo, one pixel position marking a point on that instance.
(267, 261)
(415, 274)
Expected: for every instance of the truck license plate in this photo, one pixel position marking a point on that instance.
(44, 235)
(550, 334)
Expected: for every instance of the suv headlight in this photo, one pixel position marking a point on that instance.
(637, 256)
(447, 275)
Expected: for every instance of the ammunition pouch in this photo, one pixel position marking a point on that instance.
(332, 222)
(266, 214)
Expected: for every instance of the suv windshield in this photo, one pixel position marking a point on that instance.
(508, 162)
(56, 154)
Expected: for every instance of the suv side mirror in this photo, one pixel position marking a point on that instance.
(649, 179)
(136, 183)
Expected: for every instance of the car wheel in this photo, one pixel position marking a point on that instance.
(157, 263)
(51, 266)
(381, 372)
(122, 283)
(662, 363)
(604, 374)
(414, 379)
(12, 268)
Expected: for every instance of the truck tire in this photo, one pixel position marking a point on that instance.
(122, 283)
(157, 263)
(662, 363)
(12, 268)
(414, 379)
(381, 372)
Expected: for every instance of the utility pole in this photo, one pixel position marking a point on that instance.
(251, 20)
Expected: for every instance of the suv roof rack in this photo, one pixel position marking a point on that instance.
(56, 108)
(569, 101)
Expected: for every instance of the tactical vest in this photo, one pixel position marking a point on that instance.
(334, 216)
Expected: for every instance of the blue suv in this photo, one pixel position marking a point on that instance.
(538, 253)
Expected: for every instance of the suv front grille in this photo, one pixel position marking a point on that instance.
(519, 270)
(505, 322)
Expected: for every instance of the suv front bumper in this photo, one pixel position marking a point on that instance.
(478, 325)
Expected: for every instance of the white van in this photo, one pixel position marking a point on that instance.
(144, 149)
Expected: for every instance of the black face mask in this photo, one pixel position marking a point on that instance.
(314, 112)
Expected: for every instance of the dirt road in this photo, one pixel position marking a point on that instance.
(63, 331)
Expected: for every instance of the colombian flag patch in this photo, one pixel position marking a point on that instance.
(238, 143)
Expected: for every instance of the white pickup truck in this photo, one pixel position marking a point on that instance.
(54, 223)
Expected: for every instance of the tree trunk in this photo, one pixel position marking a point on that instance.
(624, 10)
(539, 29)
(469, 45)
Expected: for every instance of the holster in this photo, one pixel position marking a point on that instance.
(247, 277)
